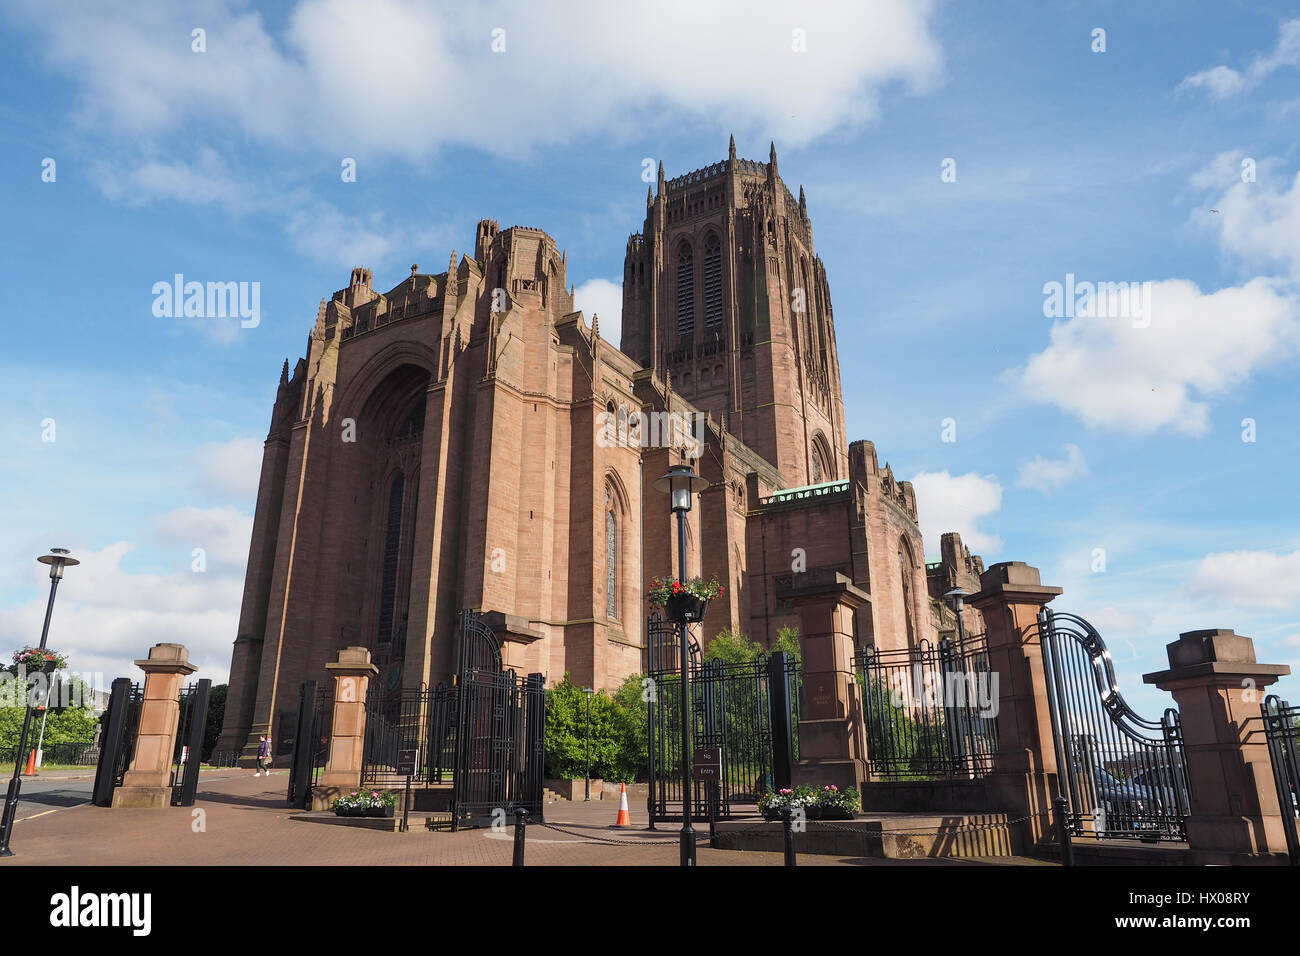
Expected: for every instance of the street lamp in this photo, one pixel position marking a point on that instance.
(681, 484)
(587, 692)
(959, 728)
(57, 559)
(957, 597)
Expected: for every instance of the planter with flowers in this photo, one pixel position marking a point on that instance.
(35, 660)
(827, 802)
(365, 803)
(684, 601)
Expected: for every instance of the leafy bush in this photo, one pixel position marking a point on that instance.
(787, 639)
(732, 647)
(618, 732)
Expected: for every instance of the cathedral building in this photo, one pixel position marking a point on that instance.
(467, 439)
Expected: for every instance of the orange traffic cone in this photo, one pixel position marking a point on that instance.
(31, 764)
(624, 817)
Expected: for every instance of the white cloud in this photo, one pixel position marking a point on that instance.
(222, 533)
(413, 77)
(1197, 346)
(947, 502)
(230, 469)
(1047, 474)
(1257, 222)
(204, 180)
(605, 299)
(107, 616)
(1248, 579)
(1219, 83)
(1223, 82)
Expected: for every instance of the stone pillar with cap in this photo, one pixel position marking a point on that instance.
(342, 774)
(832, 730)
(1218, 685)
(147, 783)
(1023, 781)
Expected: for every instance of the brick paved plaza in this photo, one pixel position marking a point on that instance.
(247, 823)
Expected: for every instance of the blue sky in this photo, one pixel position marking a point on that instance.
(1072, 434)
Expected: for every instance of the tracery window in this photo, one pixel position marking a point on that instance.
(685, 290)
(392, 551)
(712, 282)
(611, 556)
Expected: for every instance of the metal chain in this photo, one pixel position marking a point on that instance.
(613, 842)
(766, 828)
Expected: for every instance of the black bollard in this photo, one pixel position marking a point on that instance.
(1063, 832)
(521, 816)
(787, 824)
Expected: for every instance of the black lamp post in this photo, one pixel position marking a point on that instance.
(957, 597)
(681, 484)
(959, 728)
(57, 559)
(587, 692)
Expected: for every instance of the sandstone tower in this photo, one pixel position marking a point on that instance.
(722, 289)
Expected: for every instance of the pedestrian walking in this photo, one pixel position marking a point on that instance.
(263, 756)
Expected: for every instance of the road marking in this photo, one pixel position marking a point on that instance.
(51, 810)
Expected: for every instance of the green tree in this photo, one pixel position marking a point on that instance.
(617, 740)
(216, 714)
(732, 647)
(787, 639)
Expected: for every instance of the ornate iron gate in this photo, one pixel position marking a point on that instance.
(1282, 731)
(930, 710)
(419, 719)
(500, 726)
(748, 710)
(188, 755)
(117, 743)
(1123, 776)
(311, 741)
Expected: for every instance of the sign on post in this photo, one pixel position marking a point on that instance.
(708, 763)
(406, 760)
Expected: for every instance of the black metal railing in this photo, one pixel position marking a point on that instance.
(1124, 776)
(66, 753)
(421, 719)
(748, 710)
(930, 711)
(224, 758)
(311, 741)
(1282, 731)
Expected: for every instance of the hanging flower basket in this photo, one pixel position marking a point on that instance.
(685, 608)
(684, 601)
(37, 661)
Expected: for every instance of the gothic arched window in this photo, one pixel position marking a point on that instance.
(685, 290)
(611, 556)
(392, 551)
(712, 282)
(822, 467)
(905, 567)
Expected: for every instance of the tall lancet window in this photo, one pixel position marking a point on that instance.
(905, 565)
(392, 552)
(712, 282)
(611, 556)
(685, 290)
